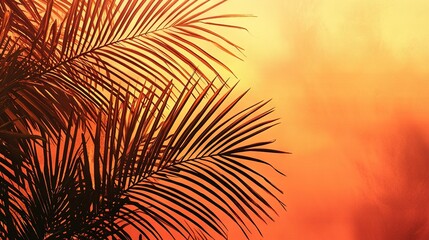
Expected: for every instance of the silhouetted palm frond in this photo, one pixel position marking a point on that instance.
(66, 52)
(111, 122)
(151, 168)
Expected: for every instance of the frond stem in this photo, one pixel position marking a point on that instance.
(68, 60)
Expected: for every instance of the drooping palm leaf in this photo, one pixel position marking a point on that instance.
(58, 56)
(147, 169)
(172, 170)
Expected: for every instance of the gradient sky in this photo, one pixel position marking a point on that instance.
(350, 80)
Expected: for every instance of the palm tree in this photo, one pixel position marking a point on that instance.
(115, 122)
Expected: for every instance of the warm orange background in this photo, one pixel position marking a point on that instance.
(350, 80)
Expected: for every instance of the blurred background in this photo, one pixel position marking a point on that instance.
(350, 81)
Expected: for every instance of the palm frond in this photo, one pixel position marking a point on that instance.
(180, 170)
(69, 53)
(110, 120)
(31, 103)
(190, 166)
(147, 169)
(156, 37)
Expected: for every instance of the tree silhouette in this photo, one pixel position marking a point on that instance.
(114, 120)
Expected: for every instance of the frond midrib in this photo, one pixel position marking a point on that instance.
(175, 163)
(92, 50)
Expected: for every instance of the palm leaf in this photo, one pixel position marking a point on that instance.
(147, 167)
(162, 168)
(69, 53)
(148, 170)
(110, 121)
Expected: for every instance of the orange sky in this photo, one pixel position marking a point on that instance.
(350, 81)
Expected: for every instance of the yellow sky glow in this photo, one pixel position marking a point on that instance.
(349, 80)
